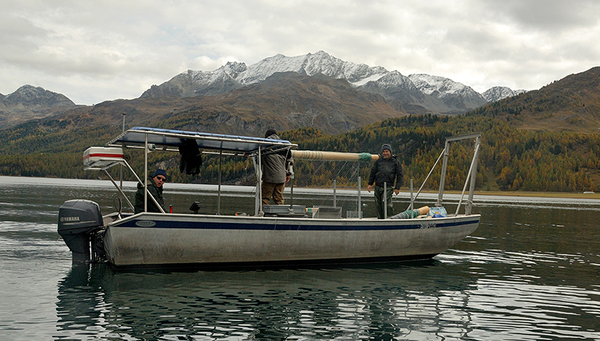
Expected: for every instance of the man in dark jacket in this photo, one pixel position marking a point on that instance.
(387, 169)
(274, 172)
(155, 188)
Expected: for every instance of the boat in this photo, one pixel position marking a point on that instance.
(273, 235)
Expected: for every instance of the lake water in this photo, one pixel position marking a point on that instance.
(530, 272)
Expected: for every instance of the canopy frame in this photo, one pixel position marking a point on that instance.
(153, 139)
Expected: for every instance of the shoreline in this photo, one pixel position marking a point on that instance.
(524, 194)
(578, 195)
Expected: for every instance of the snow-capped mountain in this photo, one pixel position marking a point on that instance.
(234, 75)
(394, 87)
(453, 94)
(310, 65)
(422, 93)
(500, 92)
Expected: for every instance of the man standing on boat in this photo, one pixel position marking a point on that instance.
(386, 170)
(155, 188)
(274, 172)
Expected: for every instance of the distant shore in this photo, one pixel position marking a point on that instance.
(579, 195)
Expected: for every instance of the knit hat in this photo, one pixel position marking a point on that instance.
(386, 146)
(160, 172)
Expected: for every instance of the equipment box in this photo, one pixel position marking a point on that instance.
(327, 212)
(284, 210)
(102, 156)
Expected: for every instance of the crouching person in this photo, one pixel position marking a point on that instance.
(155, 188)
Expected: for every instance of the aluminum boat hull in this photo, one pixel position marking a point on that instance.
(159, 239)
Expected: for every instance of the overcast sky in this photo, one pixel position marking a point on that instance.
(92, 51)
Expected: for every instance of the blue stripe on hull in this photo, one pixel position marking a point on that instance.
(285, 226)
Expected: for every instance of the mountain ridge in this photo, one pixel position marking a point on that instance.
(285, 101)
(398, 90)
(571, 104)
(30, 102)
(392, 85)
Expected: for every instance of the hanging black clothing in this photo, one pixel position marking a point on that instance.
(191, 157)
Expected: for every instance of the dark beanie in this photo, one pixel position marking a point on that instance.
(386, 146)
(270, 132)
(160, 172)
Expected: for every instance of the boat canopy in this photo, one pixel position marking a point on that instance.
(168, 138)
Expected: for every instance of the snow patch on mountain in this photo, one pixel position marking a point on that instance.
(231, 70)
(372, 78)
(396, 79)
(437, 86)
(497, 93)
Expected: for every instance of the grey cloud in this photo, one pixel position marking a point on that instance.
(525, 44)
(17, 38)
(547, 15)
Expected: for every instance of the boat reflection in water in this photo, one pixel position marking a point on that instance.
(369, 301)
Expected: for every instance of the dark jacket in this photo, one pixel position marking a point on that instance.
(386, 171)
(275, 166)
(156, 191)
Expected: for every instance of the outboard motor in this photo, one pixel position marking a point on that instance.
(77, 221)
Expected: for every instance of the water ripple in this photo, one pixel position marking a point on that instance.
(528, 273)
(323, 304)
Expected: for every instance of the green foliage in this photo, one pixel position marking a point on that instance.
(510, 159)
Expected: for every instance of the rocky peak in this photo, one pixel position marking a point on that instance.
(457, 96)
(497, 93)
(436, 85)
(30, 102)
(29, 95)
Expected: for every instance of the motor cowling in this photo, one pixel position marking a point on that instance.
(77, 220)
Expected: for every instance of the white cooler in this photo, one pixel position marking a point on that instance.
(102, 156)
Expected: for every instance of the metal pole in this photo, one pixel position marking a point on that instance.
(359, 210)
(412, 200)
(145, 172)
(446, 152)
(259, 182)
(257, 171)
(219, 191)
(334, 192)
(473, 176)
(123, 146)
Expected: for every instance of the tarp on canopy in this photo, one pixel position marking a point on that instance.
(168, 138)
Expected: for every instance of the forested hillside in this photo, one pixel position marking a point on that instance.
(570, 104)
(511, 159)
